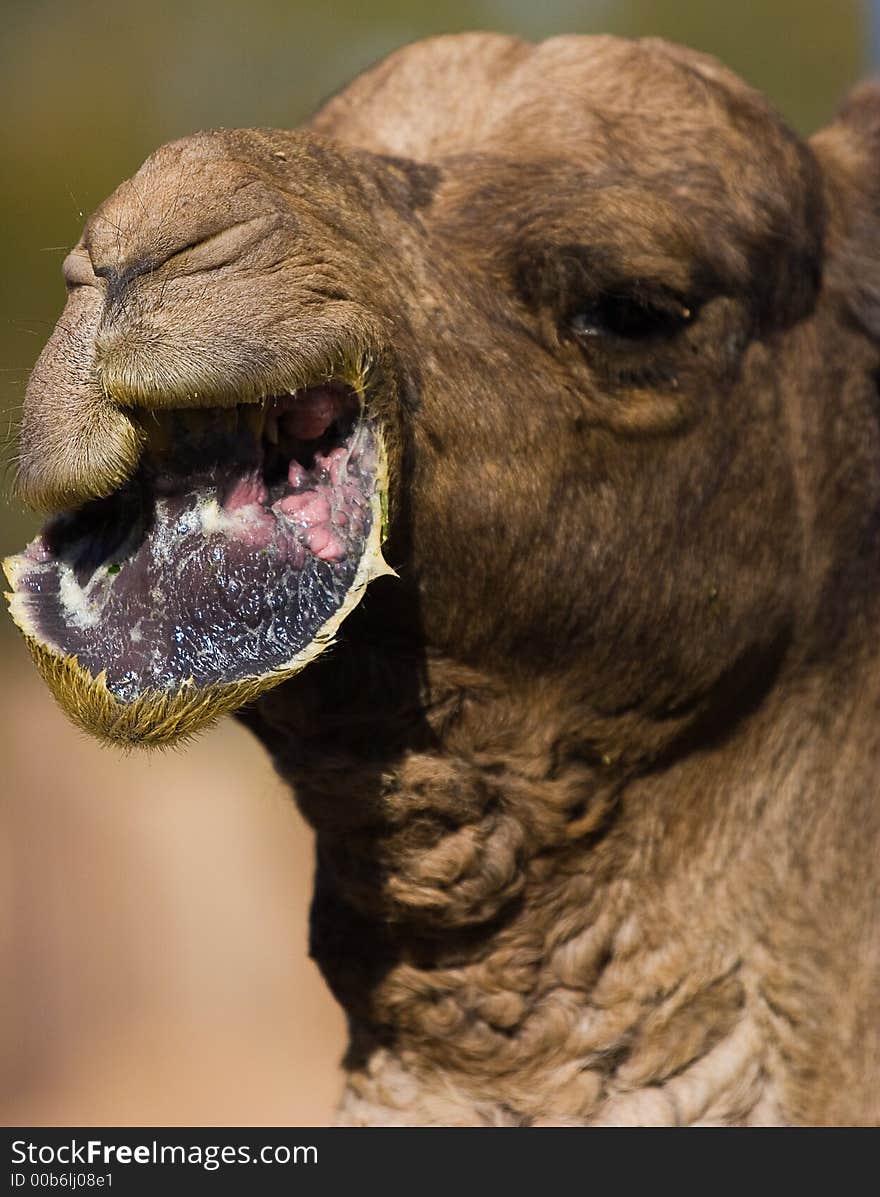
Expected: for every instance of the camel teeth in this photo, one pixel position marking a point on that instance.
(158, 433)
(254, 415)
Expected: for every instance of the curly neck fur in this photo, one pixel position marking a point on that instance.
(530, 926)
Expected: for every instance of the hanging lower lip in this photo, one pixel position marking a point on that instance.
(220, 568)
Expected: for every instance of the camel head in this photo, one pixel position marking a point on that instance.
(530, 312)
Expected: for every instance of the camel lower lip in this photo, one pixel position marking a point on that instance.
(228, 561)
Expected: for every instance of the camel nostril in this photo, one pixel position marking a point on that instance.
(118, 280)
(206, 251)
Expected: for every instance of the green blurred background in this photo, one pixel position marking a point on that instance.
(152, 909)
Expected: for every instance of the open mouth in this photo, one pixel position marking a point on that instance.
(222, 567)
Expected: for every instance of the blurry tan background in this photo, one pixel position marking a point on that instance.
(153, 910)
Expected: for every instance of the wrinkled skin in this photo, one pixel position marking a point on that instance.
(594, 779)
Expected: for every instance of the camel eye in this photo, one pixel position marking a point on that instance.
(630, 318)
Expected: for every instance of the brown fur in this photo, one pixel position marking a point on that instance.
(594, 780)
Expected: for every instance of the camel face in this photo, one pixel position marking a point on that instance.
(541, 309)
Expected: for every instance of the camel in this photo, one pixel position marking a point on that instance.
(502, 447)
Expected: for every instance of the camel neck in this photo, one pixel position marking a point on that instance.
(523, 932)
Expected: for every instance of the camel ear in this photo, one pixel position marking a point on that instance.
(850, 145)
(849, 153)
